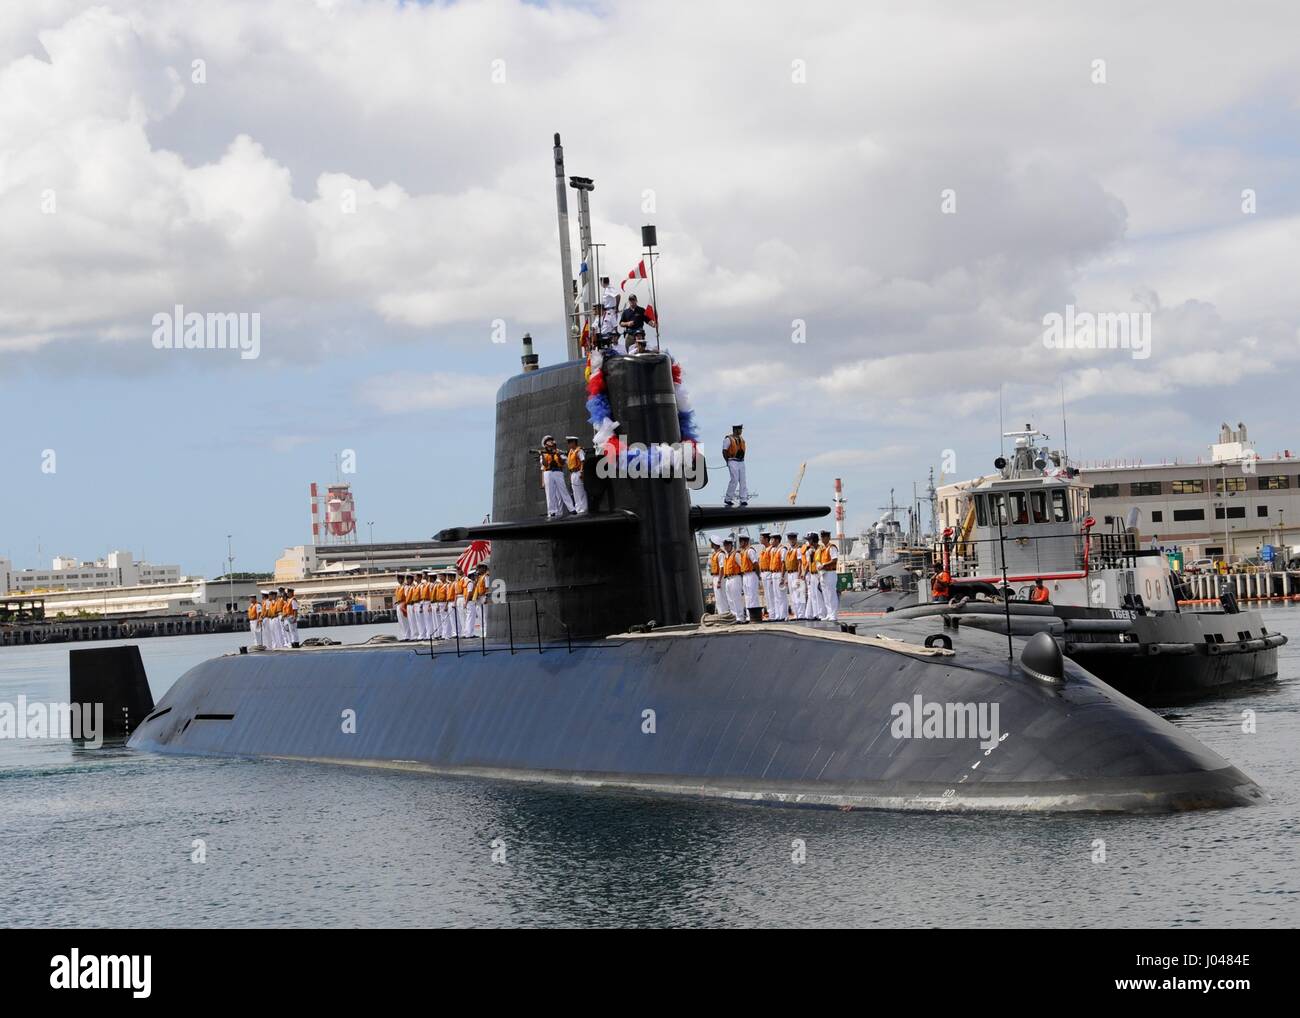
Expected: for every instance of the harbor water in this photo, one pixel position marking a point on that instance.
(111, 837)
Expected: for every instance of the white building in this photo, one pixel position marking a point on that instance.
(116, 569)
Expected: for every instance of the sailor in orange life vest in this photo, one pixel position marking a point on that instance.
(291, 617)
(733, 452)
(1038, 594)
(715, 574)
(443, 595)
(828, 571)
(268, 620)
(731, 579)
(478, 596)
(797, 589)
(422, 609)
(557, 492)
(940, 586)
(816, 605)
(749, 578)
(779, 592)
(574, 460)
(765, 569)
(399, 608)
(255, 620)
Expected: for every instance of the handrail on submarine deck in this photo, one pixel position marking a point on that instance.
(484, 650)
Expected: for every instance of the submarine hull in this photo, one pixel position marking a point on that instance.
(775, 713)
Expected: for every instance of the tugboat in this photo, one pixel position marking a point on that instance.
(1028, 559)
(603, 670)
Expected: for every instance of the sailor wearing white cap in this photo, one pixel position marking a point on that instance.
(816, 604)
(255, 620)
(798, 591)
(291, 615)
(731, 574)
(716, 557)
(749, 573)
(574, 459)
(828, 573)
(557, 492)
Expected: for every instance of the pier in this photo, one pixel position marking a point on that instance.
(1280, 585)
(80, 630)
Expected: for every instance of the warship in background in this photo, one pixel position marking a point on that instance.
(603, 669)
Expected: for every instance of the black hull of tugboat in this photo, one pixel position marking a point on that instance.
(1159, 659)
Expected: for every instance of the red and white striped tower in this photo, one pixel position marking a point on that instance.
(315, 515)
(839, 512)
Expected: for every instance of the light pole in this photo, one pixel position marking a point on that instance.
(370, 563)
(230, 575)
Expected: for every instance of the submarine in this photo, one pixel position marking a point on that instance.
(602, 669)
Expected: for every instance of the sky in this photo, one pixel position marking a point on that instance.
(867, 214)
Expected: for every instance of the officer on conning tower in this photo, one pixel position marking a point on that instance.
(733, 452)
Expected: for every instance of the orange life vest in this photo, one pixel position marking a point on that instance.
(939, 587)
(552, 460)
(1038, 595)
(289, 609)
(746, 562)
(734, 448)
(731, 565)
(480, 588)
(575, 459)
(715, 563)
(792, 559)
(252, 612)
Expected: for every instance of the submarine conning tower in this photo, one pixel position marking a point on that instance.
(632, 559)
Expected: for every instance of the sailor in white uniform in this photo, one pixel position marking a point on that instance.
(816, 606)
(255, 620)
(292, 618)
(798, 590)
(828, 573)
(732, 584)
(733, 453)
(557, 492)
(574, 459)
(750, 579)
(716, 558)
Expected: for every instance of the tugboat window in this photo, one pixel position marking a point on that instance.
(998, 510)
(981, 511)
(1038, 501)
(1019, 507)
(1060, 507)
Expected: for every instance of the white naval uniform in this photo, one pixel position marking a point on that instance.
(751, 579)
(579, 488)
(816, 606)
(737, 486)
(403, 621)
(796, 592)
(255, 626)
(778, 590)
(830, 594)
(719, 588)
(293, 621)
(557, 492)
(735, 595)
